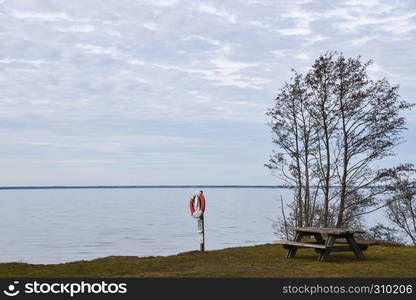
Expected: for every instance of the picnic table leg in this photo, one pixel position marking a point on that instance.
(292, 250)
(325, 253)
(318, 237)
(357, 251)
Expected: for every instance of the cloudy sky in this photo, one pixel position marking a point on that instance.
(173, 91)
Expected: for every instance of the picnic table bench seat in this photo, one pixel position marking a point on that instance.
(363, 245)
(288, 244)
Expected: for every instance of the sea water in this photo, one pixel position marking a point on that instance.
(62, 225)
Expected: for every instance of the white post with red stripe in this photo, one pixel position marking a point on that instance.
(197, 208)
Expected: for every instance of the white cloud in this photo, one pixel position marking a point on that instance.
(114, 33)
(364, 40)
(199, 97)
(139, 80)
(212, 10)
(136, 62)
(7, 101)
(398, 24)
(159, 3)
(228, 67)
(244, 103)
(36, 62)
(260, 2)
(152, 26)
(98, 50)
(202, 38)
(224, 72)
(46, 17)
(315, 38)
(374, 6)
(78, 28)
(380, 16)
(258, 24)
(294, 31)
(297, 54)
(302, 20)
(376, 71)
(302, 56)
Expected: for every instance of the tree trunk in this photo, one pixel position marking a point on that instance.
(344, 163)
(299, 173)
(327, 173)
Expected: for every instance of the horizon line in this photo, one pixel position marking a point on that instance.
(165, 186)
(136, 186)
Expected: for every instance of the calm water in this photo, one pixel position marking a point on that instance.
(55, 226)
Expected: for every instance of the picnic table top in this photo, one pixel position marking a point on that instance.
(327, 230)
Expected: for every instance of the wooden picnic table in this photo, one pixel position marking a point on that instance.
(325, 241)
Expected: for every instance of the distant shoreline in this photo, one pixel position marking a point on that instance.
(62, 187)
(142, 187)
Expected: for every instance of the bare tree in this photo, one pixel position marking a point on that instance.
(370, 126)
(329, 127)
(401, 207)
(321, 82)
(384, 234)
(294, 134)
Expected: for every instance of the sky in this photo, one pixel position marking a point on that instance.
(173, 91)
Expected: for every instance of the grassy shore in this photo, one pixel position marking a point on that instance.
(257, 261)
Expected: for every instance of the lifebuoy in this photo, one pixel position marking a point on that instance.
(197, 196)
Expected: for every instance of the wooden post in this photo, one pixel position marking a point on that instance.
(201, 233)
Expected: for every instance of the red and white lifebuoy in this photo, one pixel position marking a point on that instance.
(197, 201)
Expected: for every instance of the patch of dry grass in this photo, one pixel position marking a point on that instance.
(257, 261)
